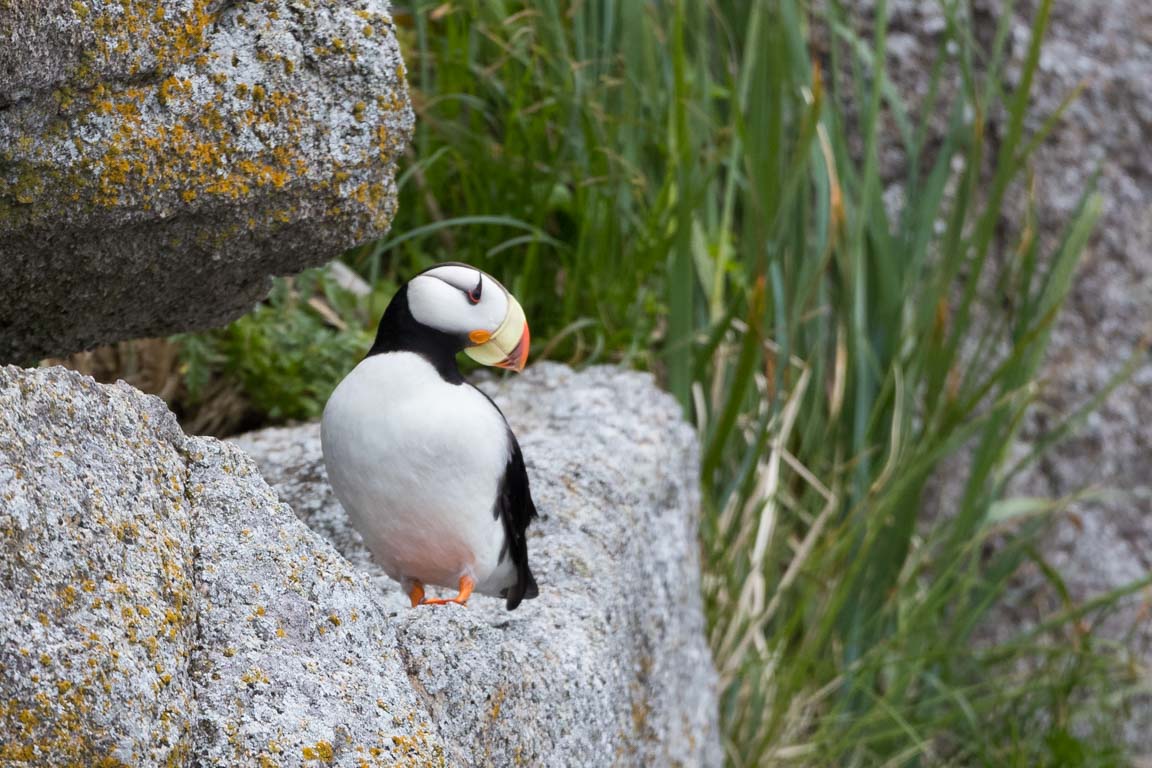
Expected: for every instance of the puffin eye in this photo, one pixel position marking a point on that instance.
(474, 294)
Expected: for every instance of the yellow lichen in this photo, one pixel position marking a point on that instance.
(190, 156)
(322, 751)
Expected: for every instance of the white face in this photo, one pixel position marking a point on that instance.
(457, 299)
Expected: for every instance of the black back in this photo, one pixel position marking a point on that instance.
(399, 332)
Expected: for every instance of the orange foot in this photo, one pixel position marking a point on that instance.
(466, 586)
(416, 595)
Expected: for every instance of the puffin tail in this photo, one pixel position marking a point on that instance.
(524, 589)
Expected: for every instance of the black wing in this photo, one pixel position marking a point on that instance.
(516, 510)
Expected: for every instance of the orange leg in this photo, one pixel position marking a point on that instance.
(466, 586)
(417, 593)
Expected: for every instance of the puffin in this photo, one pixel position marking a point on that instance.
(424, 462)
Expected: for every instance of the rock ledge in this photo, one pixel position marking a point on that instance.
(164, 607)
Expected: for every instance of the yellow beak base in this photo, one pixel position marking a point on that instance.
(508, 346)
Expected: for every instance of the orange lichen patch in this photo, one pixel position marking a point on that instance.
(196, 145)
(321, 751)
(497, 702)
(172, 87)
(174, 141)
(254, 675)
(144, 26)
(67, 595)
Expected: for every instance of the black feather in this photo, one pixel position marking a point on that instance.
(515, 507)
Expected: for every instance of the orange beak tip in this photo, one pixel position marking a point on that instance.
(518, 357)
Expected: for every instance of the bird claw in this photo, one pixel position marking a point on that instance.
(466, 586)
(443, 601)
(416, 594)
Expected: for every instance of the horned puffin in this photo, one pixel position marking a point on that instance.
(424, 462)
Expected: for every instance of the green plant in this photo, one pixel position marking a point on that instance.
(289, 352)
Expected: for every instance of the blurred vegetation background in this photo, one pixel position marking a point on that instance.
(694, 188)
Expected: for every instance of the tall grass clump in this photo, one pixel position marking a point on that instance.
(694, 188)
(672, 185)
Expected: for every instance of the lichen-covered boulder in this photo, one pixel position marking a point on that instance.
(97, 582)
(163, 607)
(159, 160)
(296, 658)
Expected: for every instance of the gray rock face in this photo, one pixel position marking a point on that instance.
(296, 658)
(164, 607)
(159, 160)
(97, 582)
(1105, 44)
(1107, 543)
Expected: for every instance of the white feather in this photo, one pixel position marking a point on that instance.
(437, 299)
(417, 463)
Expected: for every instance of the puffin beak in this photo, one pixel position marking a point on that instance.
(508, 346)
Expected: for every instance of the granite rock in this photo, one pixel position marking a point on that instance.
(97, 582)
(160, 160)
(164, 607)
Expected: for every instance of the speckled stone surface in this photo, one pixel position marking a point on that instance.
(609, 666)
(163, 607)
(97, 577)
(159, 160)
(296, 659)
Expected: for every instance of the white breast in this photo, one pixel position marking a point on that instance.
(417, 463)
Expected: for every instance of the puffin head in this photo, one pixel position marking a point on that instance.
(459, 307)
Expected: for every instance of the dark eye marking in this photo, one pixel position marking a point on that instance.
(474, 294)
